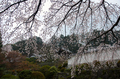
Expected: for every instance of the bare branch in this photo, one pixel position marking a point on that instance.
(111, 29)
(12, 5)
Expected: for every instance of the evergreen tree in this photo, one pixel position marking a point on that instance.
(0, 42)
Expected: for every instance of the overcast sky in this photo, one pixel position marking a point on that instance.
(110, 1)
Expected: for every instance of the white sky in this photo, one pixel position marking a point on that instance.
(110, 1)
(114, 1)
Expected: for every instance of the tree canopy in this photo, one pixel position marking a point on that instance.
(70, 42)
(26, 47)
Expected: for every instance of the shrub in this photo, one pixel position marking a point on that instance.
(9, 76)
(32, 59)
(67, 70)
(84, 66)
(2, 71)
(61, 78)
(51, 72)
(25, 74)
(37, 75)
(85, 74)
(69, 77)
(96, 64)
(118, 63)
(60, 66)
(62, 69)
(111, 73)
(109, 64)
(53, 69)
(65, 64)
(44, 69)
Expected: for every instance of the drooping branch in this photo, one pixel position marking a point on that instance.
(34, 14)
(32, 17)
(29, 20)
(111, 29)
(12, 5)
(87, 12)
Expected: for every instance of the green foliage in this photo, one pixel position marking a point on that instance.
(109, 64)
(53, 69)
(118, 63)
(1, 71)
(60, 66)
(22, 44)
(85, 74)
(62, 69)
(82, 68)
(96, 63)
(107, 72)
(68, 70)
(103, 39)
(85, 66)
(31, 59)
(2, 57)
(61, 78)
(2, 64)
(51, 72)
(69, 77)
(73, 46)
(25, 74)
(70, 41)
(1, 42)
(9, 76)
(45, 69)
(95, 43)
(65, 64)
(37, 75)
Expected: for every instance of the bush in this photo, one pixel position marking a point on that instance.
(96, 64)
(37, 75)
(2, 71)
(51, 72)
(111, 73)
(69, 77)
(61, 78)
(44, 69)
(62, 69)
(9, 76)
(84, 66)
(109, 64)
(25, 74)
(53, 69)
(65, 64)
(60, 66)
(32, 59)
(85, 74)
(118, 63)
